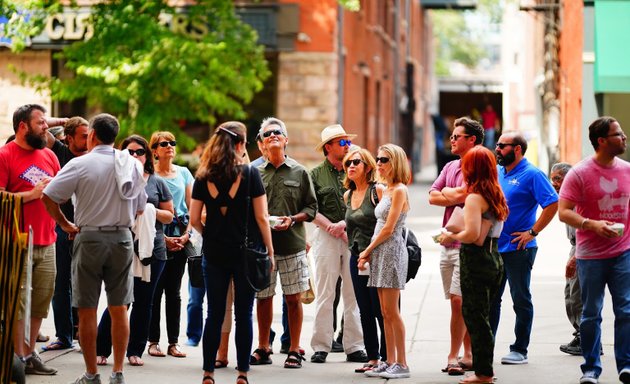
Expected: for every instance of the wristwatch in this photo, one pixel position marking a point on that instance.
(292, 220)
(532, 232)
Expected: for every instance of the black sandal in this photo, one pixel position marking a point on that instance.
(294, 360)
(242, 377)
(207, 378)
(262, 359)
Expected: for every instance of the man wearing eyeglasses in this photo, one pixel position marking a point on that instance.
(331, 253)
(595, 199)
(445, 192)
(525, 187)
(66, 318)
(291, 197)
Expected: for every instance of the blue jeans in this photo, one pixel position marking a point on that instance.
(518, 272)
(140, 319)
(194, 330)
(62, 297)
(594, 276)
(369, 312)
(217, 283)
(488, 139)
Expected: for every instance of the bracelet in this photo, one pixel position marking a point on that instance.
(582, 225)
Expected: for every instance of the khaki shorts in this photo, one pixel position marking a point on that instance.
(43, 282)
(449, 269)
(102, 257)
(294, 276)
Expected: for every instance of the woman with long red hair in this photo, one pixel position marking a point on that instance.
(481, 267)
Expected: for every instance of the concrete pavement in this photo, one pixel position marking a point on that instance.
(426, 315)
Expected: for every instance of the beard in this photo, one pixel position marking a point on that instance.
(506, 159)
(35, 141)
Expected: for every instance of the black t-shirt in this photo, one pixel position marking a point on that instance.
(223, 235)
(158, 192)
(64, 155)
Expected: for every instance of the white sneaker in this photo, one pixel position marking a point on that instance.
(376, 371)
(624, 376)
(514, 358)
(395, 371)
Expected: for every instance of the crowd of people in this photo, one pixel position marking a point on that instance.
(125, 217)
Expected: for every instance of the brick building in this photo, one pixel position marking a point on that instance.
(368, 70)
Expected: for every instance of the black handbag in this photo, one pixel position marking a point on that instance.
(256, 261)
(195, 271)
(414, 253)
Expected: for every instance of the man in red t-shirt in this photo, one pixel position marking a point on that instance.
(26, 167)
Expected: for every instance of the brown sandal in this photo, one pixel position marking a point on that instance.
(155, 350)
(175, 351)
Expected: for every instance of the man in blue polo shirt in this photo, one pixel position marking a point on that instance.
(525, 188)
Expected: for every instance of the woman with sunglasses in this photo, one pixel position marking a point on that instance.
(159, 196)
(481, 266)
(231, 191)
(387, 255)
(360, 198)
(178, 246)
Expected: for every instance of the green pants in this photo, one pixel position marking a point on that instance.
(481, 271)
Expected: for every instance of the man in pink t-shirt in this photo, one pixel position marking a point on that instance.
(26, 167)
(595, 196)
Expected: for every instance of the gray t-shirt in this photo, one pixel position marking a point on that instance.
(158, 192)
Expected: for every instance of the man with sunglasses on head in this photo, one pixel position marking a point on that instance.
(66, 317)
(291, 197)
(331, 253)
(445, 192)
(525, 187)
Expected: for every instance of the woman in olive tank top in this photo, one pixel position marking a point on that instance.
(360, 198)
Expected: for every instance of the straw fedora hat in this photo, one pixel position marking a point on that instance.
(332, 132)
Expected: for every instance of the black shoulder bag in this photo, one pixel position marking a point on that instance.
(256, 261)
(414, 252)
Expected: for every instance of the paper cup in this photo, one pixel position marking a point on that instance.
(618, 227)
(274, 220)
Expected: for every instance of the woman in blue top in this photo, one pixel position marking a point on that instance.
(223, 184)
(178, 245)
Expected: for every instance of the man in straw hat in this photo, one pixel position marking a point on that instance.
(330, 250)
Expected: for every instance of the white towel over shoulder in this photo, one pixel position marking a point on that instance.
(144, 229)
(129, 175)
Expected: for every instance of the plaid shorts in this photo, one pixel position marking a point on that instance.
(294, 277)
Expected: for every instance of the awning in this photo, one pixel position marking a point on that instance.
(448, 4)
(612, 29)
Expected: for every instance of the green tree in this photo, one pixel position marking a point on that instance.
(151, 75)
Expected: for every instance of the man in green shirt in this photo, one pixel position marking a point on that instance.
(331, 253)
(291, 198)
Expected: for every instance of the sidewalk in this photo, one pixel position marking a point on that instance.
(426, 315)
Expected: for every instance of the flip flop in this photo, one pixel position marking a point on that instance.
(365, 368)
(135, 361)
(220, 364)
(42, 338)
(101, 360)
(465, 366)
(55, 346)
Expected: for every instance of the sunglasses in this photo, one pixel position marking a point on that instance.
(354, 162)
(165, 144)
(382, 160)
(275, 132)
(456, 137)
(503, 145)
(137, 152)
(344, 142)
